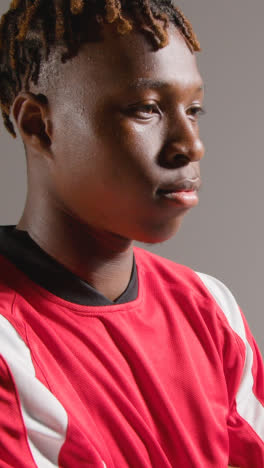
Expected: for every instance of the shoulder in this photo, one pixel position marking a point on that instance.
(201, 285)
(163, 267)
(176, 273)
(226, 302)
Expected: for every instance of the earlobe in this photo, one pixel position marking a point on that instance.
(31, 115)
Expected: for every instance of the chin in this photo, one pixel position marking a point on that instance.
(159, 234)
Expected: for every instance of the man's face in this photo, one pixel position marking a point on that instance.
(124, 126)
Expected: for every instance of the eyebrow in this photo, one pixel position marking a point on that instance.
(146, 83)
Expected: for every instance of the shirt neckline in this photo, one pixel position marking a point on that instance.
(48, 274)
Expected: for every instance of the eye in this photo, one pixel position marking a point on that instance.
(195, 111)
(144, 111)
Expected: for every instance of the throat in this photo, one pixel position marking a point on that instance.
(109, 278)
(101, 259)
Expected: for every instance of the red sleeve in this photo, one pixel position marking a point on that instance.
(244, 375)
(246, 418)
(33, 422)
(14, 449)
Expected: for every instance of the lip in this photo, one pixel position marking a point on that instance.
(183, 185)
(186, 199)
(182, 193)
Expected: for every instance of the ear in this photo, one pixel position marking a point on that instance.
(31, 113)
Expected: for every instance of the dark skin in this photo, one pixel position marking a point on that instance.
(98, 151)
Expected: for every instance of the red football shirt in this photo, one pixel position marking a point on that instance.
(171, 379)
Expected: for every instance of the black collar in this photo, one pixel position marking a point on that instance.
(18, 247)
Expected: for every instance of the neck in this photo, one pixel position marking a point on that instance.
(102, 259)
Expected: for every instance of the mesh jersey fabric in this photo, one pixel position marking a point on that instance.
(173, 378)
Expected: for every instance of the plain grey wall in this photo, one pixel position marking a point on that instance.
(224, 235)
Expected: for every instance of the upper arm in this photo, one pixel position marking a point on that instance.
(245, 383)
(14, 448)
(33, 423)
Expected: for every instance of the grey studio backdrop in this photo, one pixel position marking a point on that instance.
(223, 236)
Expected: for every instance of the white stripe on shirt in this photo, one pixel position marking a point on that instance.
(248, 406)
(44, 417)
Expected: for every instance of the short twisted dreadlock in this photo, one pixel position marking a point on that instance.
(31, 28)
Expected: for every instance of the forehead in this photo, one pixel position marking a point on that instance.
(130, 61)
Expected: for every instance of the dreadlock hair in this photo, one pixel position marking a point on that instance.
(30, 28)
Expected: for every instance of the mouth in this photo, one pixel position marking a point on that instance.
(182, 193)
(183, 185)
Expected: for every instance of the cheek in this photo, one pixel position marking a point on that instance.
(106, 166)
(143, 137)
(135, 150)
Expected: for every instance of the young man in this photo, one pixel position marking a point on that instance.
(112, 356)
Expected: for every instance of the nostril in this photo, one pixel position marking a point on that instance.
(179, 160)
(173, 160)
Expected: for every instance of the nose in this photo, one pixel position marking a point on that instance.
(183, 144)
